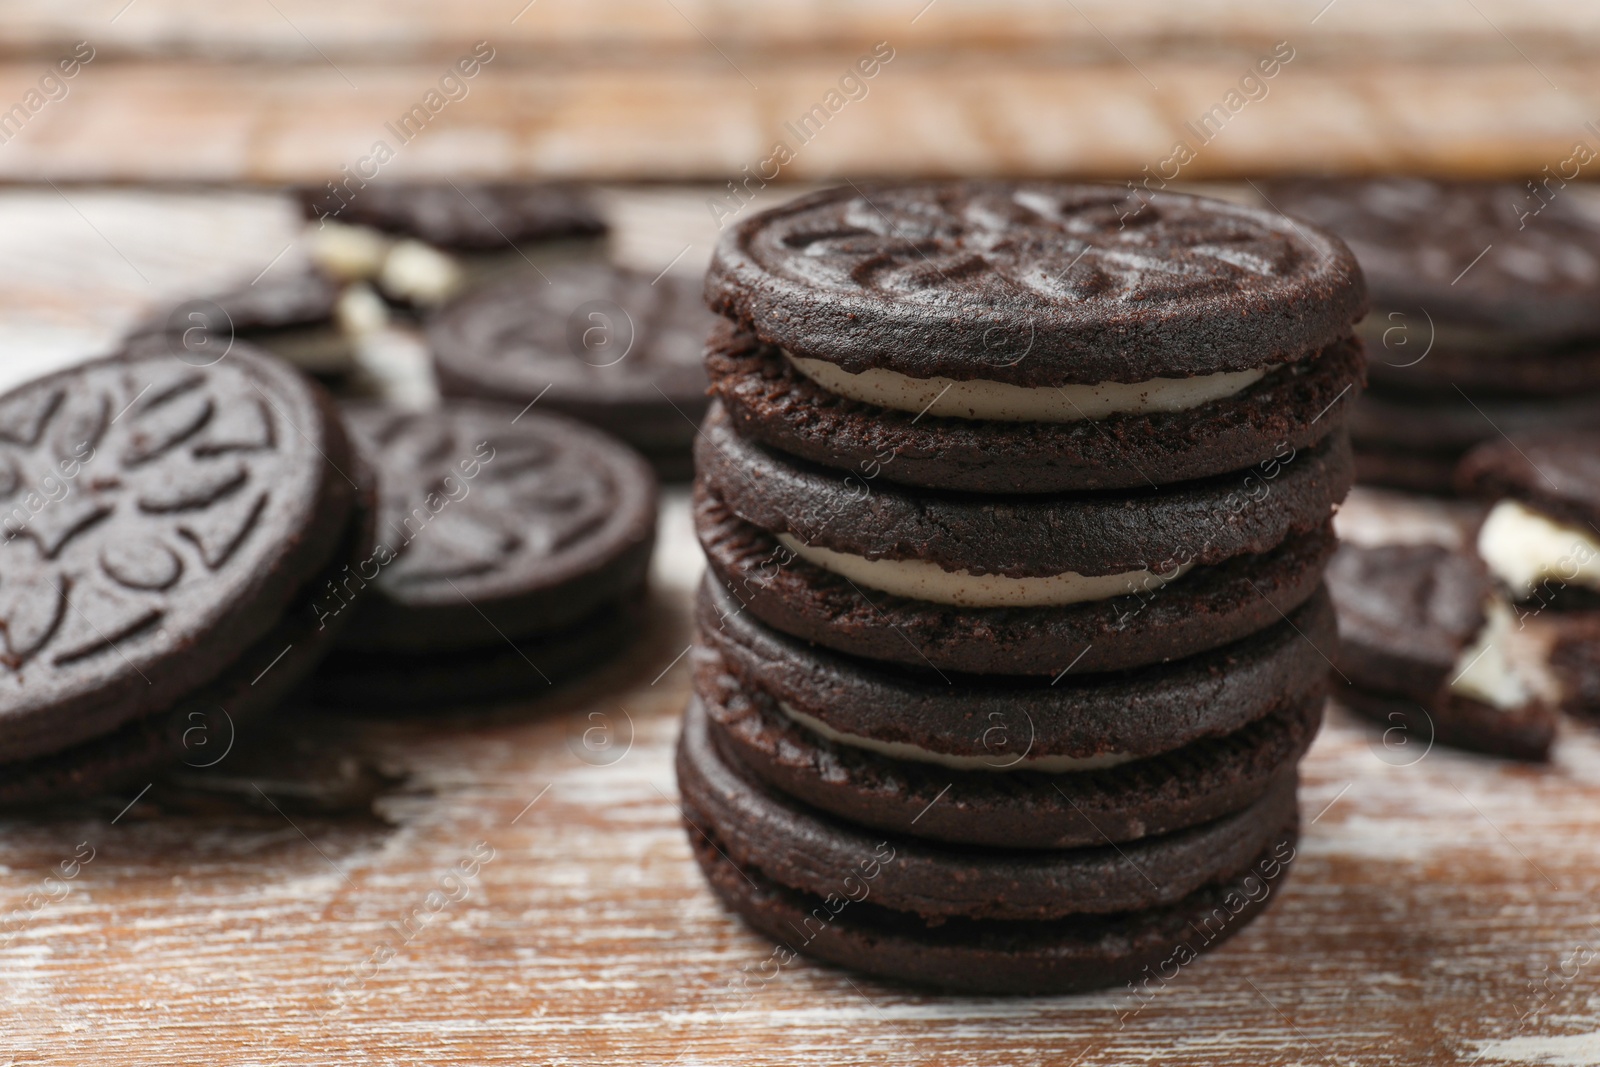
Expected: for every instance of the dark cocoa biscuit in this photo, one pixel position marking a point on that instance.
(988, 956)
(600, 343)
(1524, 733)
(198, 731)
(1029, 536)
(1291, 408)
(1196, 783)
(1411, 352)
(1034, 283)
(1206, 608)
(160, 519)
(530, 668)
(494, 526)
(1003, 720)
(1451, 422)
(289, 314)
(1417, 472)
(1496, 255)
(465, 216)
(1553, 471)
(807, 850)
(1406, 612)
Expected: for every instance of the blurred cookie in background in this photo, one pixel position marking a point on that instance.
(513, 549)
(1485, 310)
(420, 244)
(607, 345)
(305, 316)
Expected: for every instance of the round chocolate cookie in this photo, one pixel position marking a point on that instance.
(602, 344)
(465, 216)
(999, 808)
(1491, 255)
(1554, 471)
(199, 731)
(1200, 523)
(161, 521)
(1202, 609)
(288, 314)
(494, 527)
(998, 723)
(806, 850)
(1292, 407)
(986, 955)
(1034, 283)
(1408, 614)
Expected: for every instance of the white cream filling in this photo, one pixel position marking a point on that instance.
(982, 399)
(925, 580)
(1506, 667)
(997, 762)
(1524, 548)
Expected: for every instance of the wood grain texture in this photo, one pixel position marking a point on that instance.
(1426, 921)
(639, 89)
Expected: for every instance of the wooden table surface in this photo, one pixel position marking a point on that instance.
(275, 90)
(276, 908)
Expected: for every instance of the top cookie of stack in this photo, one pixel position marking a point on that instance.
(982, 459)
(1032, 337)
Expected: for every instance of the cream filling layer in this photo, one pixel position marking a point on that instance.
(997, 762)
(1523, 548)
(1507, 666)
(982, 399)
(922, 579)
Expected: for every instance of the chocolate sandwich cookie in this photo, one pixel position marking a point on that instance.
(168, 527)
(969, 548)
(986, 723)
(603, 344)
(1289, 408)
(1426, 647)
(1032, 337)
(292, 315)
(1153, 622)
(512, 548)
(463, 216)
(806, 850)
(1003, 801)
(1070, 955)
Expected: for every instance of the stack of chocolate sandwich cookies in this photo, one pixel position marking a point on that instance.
(1016, 499)
(1486, 318)
(167, 531)
(512, 553)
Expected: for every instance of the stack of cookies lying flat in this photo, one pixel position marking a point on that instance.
(1016, 499)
